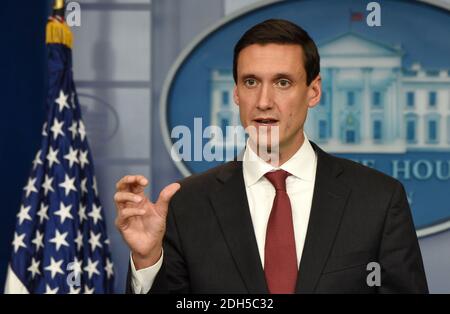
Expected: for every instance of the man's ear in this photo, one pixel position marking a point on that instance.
(315, 91)
(235, 95)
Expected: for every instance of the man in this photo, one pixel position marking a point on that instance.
(303, 222)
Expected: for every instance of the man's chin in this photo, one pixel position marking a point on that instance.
(264, 147)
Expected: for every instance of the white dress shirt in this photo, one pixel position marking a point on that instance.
(260, 194)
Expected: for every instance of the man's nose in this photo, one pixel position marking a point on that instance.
(265, 99)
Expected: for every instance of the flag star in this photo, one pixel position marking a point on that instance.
(30, 186)
(47, 185)
(18, 241)
(107, 241)
(109, 268)
(54, 267)
(91, 268)
(38, 240)
(74, 290)
(34, 268)
(49, 290)
(59, 239)
(42, 213)
(24, 214)
(83, 186)
(94, 240)
(81, 130)
(94, 186)
(62, 101)
(79, 240)
(72, 156)
(68, 184)
(83, 158)
(74, 129)
(52, 156)
(57, 128)
(44, 129)
(64, 212)
(82, 213)
(37, 160)
(88, 290)
(95, 214)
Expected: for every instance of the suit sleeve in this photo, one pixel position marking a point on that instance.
(173, 275)
(402, 269)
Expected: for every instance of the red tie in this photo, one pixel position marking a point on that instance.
(280, 260)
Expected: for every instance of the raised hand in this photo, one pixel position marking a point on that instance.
(141, 222)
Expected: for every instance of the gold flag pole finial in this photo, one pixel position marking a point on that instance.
(58, 5)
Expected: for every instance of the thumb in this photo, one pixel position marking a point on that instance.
(166, 195)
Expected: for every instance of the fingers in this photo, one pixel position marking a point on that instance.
(125, 198)
(132, 183)
(130, 186)
(126, 213)
(166, 195)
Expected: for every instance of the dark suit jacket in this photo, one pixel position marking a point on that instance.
(358, 216)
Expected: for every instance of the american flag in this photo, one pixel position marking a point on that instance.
(60, 243)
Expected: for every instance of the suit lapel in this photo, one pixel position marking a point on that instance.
(231, 207)
(329, 199)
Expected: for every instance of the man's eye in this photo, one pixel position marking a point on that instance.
(283, 83)
(250, 82)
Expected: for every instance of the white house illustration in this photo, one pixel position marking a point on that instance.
(370, 104)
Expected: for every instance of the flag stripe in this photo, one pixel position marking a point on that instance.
(13, 285)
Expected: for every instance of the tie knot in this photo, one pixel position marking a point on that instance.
(278, 179)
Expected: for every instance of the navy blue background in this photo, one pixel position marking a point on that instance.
(22, 99)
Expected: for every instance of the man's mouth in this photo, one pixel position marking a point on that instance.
(266, 121)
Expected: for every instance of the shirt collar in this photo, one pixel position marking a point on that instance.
(300, 165)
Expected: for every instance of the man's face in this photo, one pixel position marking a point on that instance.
(271, 91)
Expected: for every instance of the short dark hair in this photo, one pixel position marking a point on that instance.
(277, 31)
